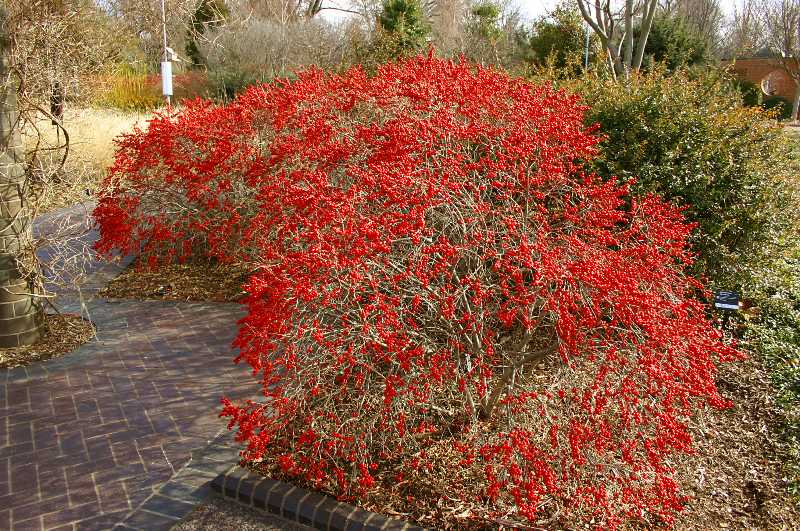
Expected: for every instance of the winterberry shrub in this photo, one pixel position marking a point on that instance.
(436, 264)
(184, 186)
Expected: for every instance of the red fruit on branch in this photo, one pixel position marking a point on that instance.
(434, 261)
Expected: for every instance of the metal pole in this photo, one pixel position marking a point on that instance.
(586, 51)
(164, 32)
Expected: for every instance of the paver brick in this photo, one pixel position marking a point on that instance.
(15, 449)
(24, 478)
(85, 439)
(85, 446)
(150, 521)
(113, 497)
(45, 437)
(80, 487)
(32, 524)
(99, 448)
(72, 443)
(104, 521)
(70, 515)
(52, 482)
(20, 433)
(168, 506)
(38, 508)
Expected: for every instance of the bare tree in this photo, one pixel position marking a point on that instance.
(45, 48)
(744, 34)
(447, 23)
(781, 19)
(142, 19)
(705, 17)
(288, 35)
(623, 28)
(279, 9)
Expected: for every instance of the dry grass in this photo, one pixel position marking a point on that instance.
(92, 133)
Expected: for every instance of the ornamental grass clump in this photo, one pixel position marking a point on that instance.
(436, 269)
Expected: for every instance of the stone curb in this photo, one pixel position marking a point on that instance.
(300, 505)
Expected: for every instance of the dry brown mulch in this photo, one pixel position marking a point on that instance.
(192, 281)
(738, 476)
(62, 334)
(736, 479)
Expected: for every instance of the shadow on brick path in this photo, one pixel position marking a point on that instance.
(89, 438)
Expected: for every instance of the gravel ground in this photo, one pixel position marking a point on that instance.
(219, 514)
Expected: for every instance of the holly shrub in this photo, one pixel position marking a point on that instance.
(434, 263)
(688, 137)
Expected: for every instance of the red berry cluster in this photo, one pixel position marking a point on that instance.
(433, 260)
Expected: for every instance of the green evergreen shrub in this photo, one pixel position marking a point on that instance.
(674, 42)
(774, 334)
(690, 138)
(561, 39)
(751, 92)
(403, 30)
(781, 106)
(226, 84)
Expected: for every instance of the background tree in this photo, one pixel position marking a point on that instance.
(45, 48)
(615, 23)
(447, 20)
(402, 28)
(744, 33)
(289, 36)
(781, 20)
(704, 18)
(676, 43)
(285, 10)
(560, 36)
(20, 308)
(142, 20)
(483, 32)
(209, 14)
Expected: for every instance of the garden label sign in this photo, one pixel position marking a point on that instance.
(726, 300)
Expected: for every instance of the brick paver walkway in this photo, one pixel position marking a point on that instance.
(87, 438)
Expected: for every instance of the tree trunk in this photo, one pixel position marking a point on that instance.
(21, 314)
(647, 24)
(796, 102)
(628, 44)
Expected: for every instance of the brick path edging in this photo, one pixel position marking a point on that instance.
(300, 505)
